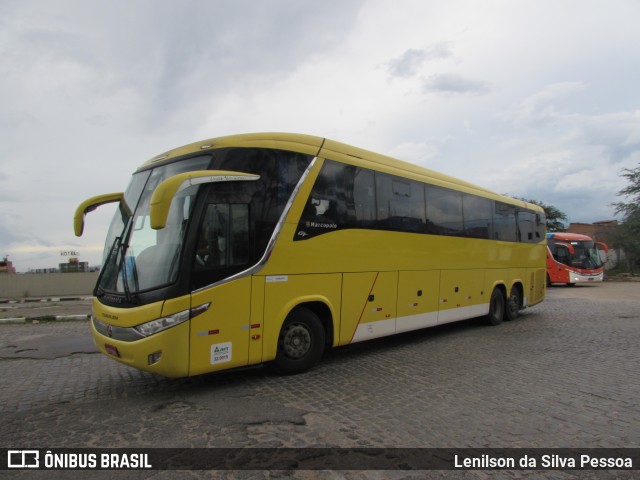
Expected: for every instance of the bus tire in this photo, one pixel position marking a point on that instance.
(514, 301)
(300, 343)
(496, 308)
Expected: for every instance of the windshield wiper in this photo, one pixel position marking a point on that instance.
(113, 269)
(108, 266)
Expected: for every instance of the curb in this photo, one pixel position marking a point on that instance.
(19, 320)
(70, 298)
(15, 320)
(72, 317)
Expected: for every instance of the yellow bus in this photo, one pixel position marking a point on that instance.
(270, 248)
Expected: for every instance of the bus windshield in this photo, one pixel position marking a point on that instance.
(585, 255)
(234, 226)
(136, 256)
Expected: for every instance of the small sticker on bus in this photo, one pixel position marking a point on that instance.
(277, 278)
(221, 353)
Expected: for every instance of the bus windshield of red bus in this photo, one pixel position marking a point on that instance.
(585, 255)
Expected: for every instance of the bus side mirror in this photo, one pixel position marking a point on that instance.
(568, 246)
(602, 246)
(90, 205)
(167, 190)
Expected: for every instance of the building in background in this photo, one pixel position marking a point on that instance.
(6, 266)
(74, 265)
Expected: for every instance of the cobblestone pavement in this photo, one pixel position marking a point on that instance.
(565, 374)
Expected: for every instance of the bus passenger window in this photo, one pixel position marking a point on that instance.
(444, 211)
(327, 207)
(364, 200)
(530, 226)
(400, 204)
(504, 222)
(477, 216)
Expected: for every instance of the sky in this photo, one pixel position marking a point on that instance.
(534, 98)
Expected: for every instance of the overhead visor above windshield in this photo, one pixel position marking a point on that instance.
(164, 193)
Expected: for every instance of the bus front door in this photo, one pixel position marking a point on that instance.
(219, 337)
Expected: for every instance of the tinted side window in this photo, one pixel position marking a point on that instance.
(531, 227)
(345, 196)
(327, 207)
(444, 211)
(400, 204)
(364, 198)
(504, 222)
(477, 216)
(279, 172)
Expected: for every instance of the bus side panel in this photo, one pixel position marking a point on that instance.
(257, 320)
(369, 305)
(356, 288)
(538, 285)
(418, 294)
(495, 277)
(557, 272)
(282, 293)
(220, 336)
(462, 295)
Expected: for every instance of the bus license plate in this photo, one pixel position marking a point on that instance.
(111, 350)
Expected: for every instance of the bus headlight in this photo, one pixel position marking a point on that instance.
(160, 324)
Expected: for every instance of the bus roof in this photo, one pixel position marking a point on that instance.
(576, 237)
(318, 146)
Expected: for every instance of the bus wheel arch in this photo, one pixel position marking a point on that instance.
(301, 341)
(324, 314)
(514, 302)
(496, 306)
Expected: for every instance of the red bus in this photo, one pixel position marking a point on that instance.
(573, 258)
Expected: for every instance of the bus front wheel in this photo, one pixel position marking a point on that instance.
(300, 344)
(496, 308)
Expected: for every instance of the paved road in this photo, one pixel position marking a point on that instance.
(565, 374)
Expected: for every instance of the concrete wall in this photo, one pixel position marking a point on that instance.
(47, 284)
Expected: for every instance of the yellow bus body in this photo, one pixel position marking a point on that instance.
(360, 283)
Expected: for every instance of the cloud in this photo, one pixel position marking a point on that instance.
(544, 106)
(564, 155)
(411, 61)
(618, 133)
(550, 116)
(454, 84)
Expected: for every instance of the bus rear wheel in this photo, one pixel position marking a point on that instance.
(300, 344)
(496, 308)
(513, 304)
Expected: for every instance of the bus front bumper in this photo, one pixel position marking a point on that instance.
(577, 277)
(165, 353)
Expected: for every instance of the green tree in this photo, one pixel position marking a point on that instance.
(556, 218)
(631, 192)
(627, 235)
